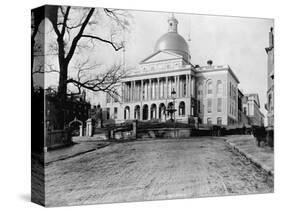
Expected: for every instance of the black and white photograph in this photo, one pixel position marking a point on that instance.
(139, 105)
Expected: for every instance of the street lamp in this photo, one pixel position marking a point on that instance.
(173, 110)
(173, 95)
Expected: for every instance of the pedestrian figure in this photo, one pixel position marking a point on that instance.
(259, 133)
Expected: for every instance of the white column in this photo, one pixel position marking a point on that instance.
(186, 85)
(180, 89)
(190, 85)
(134, 91)
(141, 90)
(131, 97)
(149, 90)
(166, 96)
(193, 86)
(125, 92)
(149, 113)
(122, 92)
(178, 86)
(158, 89)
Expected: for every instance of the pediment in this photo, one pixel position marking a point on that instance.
(161, 56)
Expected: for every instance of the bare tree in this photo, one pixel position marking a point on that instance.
(107, 81)
(74, 29)
(66, 48)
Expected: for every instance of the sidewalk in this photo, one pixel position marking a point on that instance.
(247, 146)
(81, 146)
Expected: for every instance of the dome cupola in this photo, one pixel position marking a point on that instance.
(172, 41)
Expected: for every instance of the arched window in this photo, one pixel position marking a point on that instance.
(181, 109)
(153, 111)
(127, 113)
(162, 111)
(137, 112)
(219, 87)
(209, 87)
(209, 105)
(145, 112)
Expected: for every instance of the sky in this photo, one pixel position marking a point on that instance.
(234, 41)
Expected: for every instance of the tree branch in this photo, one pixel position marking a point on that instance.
(78, 36)
(116, 48)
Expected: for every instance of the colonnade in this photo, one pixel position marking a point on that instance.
(158, 88)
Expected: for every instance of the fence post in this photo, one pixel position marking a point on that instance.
(81, 130)
(134, 129)
(112, 134)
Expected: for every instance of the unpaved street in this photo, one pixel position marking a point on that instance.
(150, 170)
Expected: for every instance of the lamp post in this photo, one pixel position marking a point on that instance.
(173, 95)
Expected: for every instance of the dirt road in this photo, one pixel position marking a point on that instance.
(151, 170)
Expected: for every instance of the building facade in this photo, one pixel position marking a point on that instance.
(208, 93)
(270, 80)
(251, 107)
(243, 119)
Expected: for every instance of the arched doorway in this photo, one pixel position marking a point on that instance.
(127, 113)
(162, 110)
(153, 111)
(170, 106)
(145, 112)
(76, 127)
(182, 109)
(137, 112)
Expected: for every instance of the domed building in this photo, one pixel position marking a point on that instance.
(167, 79)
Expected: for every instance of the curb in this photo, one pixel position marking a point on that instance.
(76, 154)
(251, 158)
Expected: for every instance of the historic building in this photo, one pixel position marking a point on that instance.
(168, 79)
(251, 107)
(270, 80)
(243, 119)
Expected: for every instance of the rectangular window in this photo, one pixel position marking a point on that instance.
(115, 113)
(209, 105)
(219, 106)
(209, 121)
(199, 109)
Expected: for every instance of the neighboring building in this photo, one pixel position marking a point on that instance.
(75, 106)
(251, 107)
(243, 119)
(208, 94)
(270, 80)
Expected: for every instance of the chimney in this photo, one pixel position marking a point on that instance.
(210, 62)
